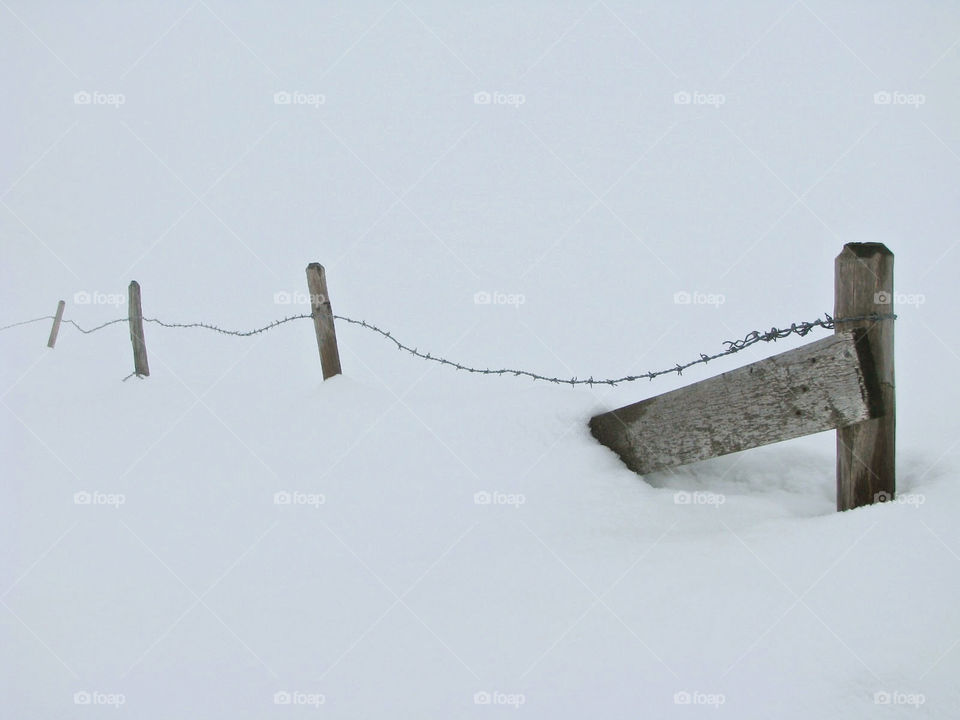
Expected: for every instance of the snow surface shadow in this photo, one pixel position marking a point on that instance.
(801, 479)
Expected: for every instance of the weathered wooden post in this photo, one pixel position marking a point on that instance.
(56, 324)
(323, 320)
(819, 386)
(135, 318)
(866, 450)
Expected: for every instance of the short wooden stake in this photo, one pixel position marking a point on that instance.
(866, 450)
(56, 324)
(323, 320)
(135, 317)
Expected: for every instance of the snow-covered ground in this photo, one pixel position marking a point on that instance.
(457, 545)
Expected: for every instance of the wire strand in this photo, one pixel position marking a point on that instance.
(733, 346)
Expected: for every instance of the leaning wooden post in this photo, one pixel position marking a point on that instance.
(819, 386)
(866, 450)
(323, 320)
(135, 317)
(56, 324)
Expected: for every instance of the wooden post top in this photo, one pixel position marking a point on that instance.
(867, 249)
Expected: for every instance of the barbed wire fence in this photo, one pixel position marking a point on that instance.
(800, 329)
(852, 391)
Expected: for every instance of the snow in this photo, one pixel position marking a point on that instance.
(457, 545)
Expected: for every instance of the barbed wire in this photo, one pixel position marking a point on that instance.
(236, 333)
(733, 346)
(65, 322)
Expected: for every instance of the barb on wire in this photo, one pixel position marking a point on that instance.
(733, 346)
(236, 333)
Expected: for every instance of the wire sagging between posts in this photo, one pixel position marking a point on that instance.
(733, 346)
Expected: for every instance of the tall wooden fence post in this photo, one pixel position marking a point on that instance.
(56, 324)
(866, 450)
(323, 320)
(135, 317)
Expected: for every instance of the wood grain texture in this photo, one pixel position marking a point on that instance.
(135, 318)
(322, 313)
(57, 319)
(866, 452)
(821, 386)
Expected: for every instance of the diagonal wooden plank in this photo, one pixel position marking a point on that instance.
(827, 384)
